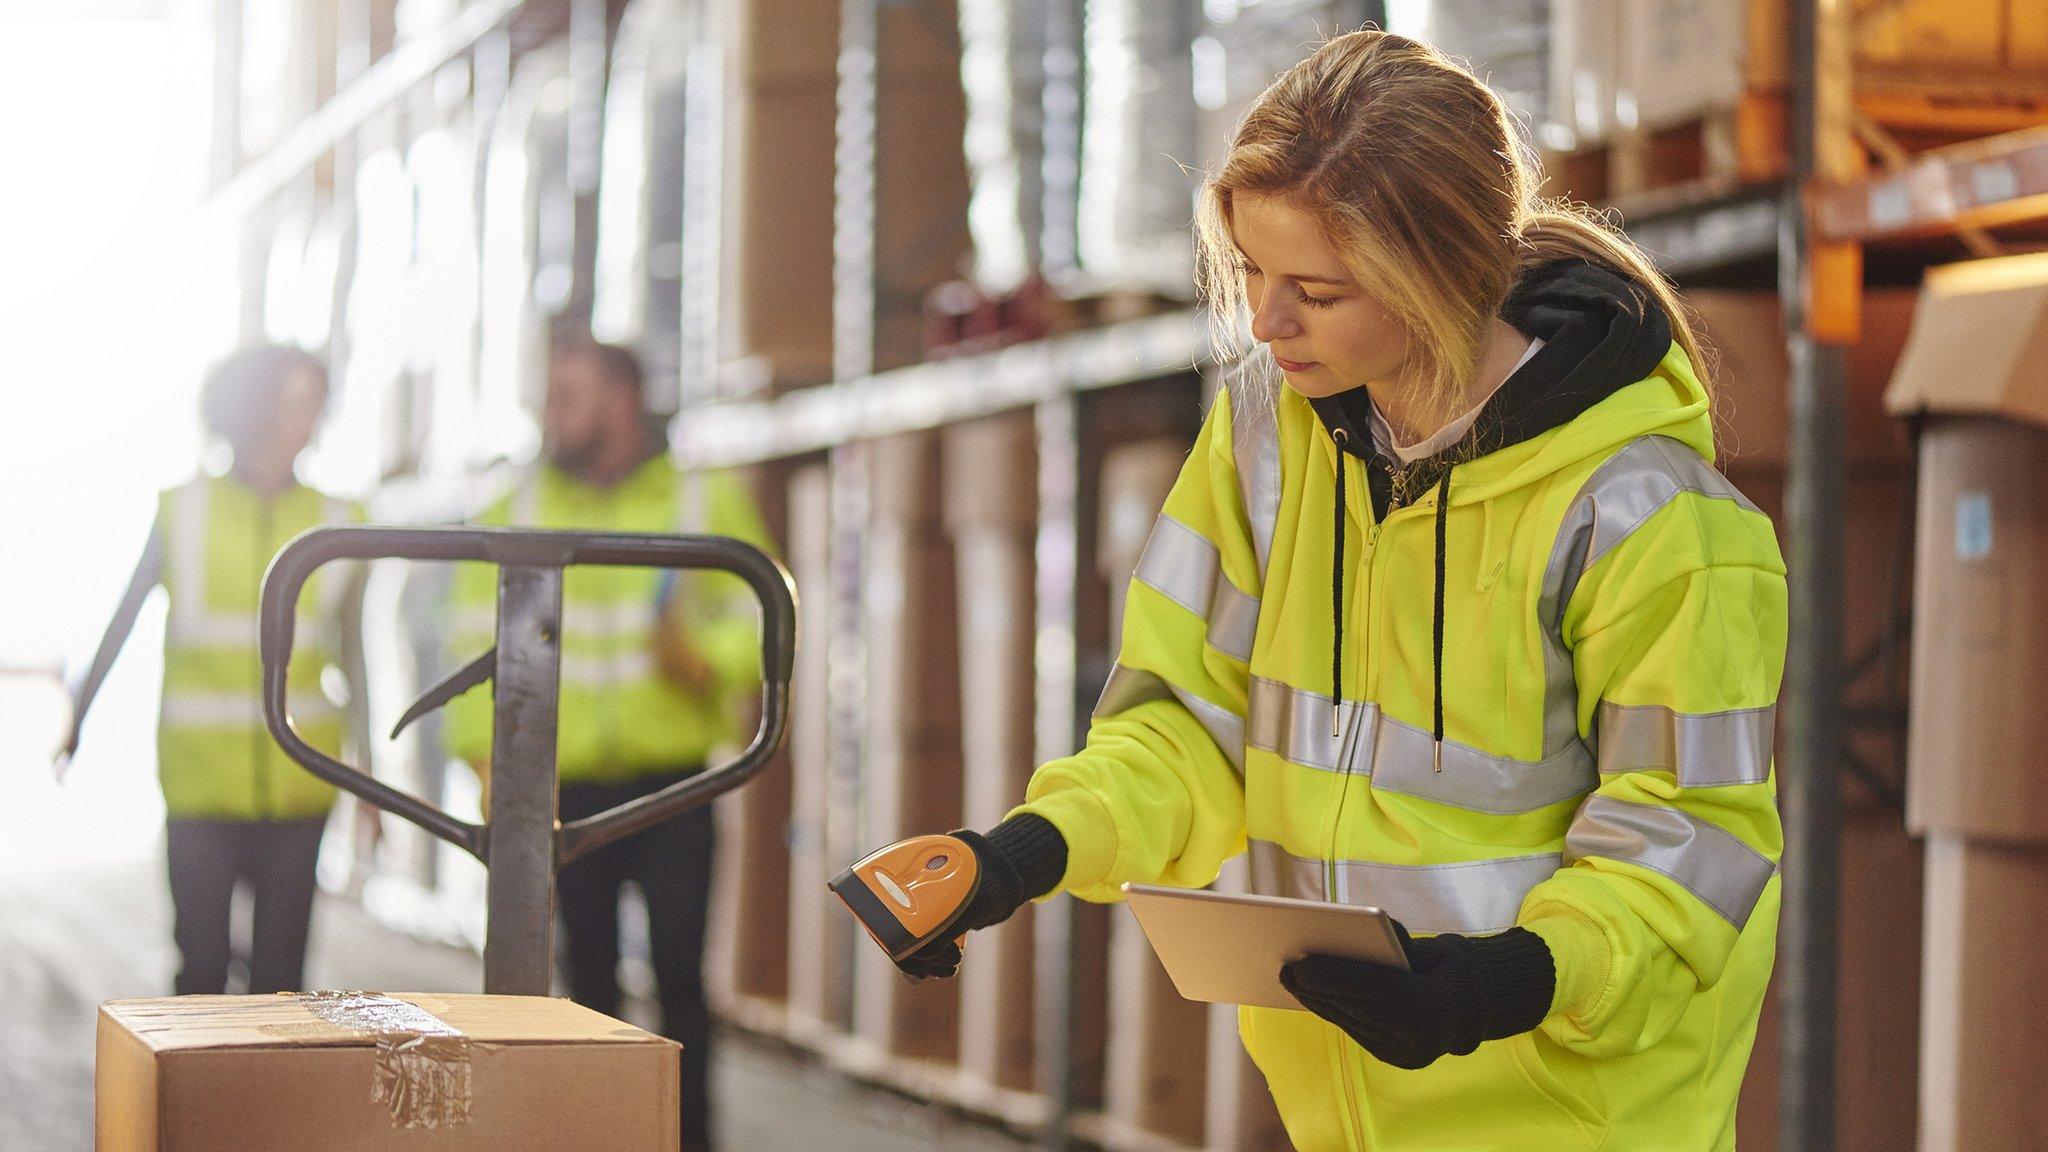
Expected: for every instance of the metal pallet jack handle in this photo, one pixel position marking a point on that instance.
(523, 842)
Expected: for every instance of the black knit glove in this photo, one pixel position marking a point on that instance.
(1019, 860)
(1462, 991)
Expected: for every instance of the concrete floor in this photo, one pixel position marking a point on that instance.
(77, 928)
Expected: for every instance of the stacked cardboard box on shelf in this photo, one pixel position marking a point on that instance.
(1976, 373)
(822, 838)
(991, 512)
(910, 780)
(1662, 93)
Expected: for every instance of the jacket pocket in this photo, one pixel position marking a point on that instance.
(1564, 1081)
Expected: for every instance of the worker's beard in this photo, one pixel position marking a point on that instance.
(574, 456)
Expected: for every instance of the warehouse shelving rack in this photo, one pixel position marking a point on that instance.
(1810, 231)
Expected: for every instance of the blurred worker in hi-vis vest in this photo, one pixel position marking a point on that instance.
(655, 667)
(239, 811)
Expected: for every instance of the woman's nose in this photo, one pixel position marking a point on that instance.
(1271, 322)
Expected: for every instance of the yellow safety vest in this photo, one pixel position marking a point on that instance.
(620, 717)
(215, 758)
(1614, 634)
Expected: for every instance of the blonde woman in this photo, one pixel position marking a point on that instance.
(1456, 618)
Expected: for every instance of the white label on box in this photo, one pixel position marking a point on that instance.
(1973, 525)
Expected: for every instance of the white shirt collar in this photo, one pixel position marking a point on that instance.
(1449, 434)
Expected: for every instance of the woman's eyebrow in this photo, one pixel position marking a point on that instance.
(1333, 281)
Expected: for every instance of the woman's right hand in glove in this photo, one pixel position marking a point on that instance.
(1018, 861)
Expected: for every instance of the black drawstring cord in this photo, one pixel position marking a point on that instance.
(1337, 597)
(1443, 519)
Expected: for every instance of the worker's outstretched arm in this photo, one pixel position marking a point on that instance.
(148, 574)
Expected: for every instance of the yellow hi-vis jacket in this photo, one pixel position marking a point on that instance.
(1613, 640)
(215, 758)
(620, 716)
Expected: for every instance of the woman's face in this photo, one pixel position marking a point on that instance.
(301, 401)
(1326, 333)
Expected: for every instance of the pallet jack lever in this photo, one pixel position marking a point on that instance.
(454, 684)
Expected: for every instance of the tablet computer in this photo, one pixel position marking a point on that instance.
(1227, 948)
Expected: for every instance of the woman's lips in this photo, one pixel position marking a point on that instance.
(1287, 365)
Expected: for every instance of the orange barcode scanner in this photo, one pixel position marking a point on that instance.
(910, 893)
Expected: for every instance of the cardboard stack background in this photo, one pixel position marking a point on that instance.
(1976, 372)
(991, 512)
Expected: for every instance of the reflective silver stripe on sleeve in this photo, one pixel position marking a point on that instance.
(1129, 687)
(1295, 724)
(187, 551)
(198, 708)
(1723, 872)
(525, 503)
(1181, 564)
(585, 619)
(1255, 449)
(1467, 897)
(1619, 497)
(1702, 750)
(608, 671)
(690, 514)
(1233, 621)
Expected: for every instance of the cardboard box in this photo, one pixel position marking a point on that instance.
(1681, 59)
(1978, 756)
(337, 1071)
(1984, 1007)
(1976, 369)
(1979, 343)
(823, 817)
(1746, 331)
(991, 509)
(1585, 55)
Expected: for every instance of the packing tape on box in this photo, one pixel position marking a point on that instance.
(421, 1073)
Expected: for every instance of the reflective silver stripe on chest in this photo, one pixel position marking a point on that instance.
(1466, 897)
(1295, 724)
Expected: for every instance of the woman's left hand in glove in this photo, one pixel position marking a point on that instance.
(1460, 992)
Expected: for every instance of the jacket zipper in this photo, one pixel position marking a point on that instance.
(1346, 1073)
(1346, 1062)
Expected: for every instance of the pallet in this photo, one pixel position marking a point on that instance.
(1724, 149)
(1644, 171)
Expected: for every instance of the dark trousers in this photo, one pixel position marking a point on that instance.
(275, 859)
(671, 865)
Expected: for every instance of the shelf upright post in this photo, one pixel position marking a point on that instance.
(853, 358)
(1814, 501)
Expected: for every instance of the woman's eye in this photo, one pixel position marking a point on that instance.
(1317, 301)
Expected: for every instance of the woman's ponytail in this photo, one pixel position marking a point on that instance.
(1561, 229)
